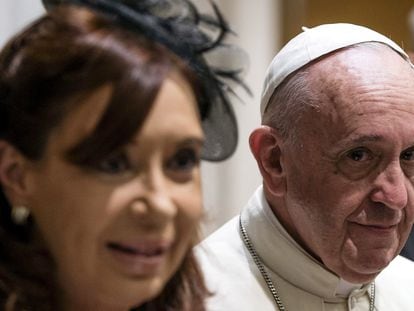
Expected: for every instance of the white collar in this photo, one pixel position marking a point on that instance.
(283, 256)
(344, 288)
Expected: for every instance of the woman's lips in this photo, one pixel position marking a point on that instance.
(146, 249)
(139, 259)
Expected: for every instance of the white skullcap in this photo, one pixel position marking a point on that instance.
(313, 43)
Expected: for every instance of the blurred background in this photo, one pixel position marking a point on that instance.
(262, 27)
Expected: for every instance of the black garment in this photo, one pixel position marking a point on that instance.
(408, 250)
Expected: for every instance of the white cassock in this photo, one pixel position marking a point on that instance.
(302, 282)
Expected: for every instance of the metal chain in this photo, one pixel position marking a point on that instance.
(372, 297)
(268, 280)
(261, 267)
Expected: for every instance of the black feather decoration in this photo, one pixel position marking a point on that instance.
(180, 27)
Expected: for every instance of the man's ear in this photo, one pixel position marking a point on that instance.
(265, 146)
(12, 173)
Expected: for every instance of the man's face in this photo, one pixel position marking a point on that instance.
(350, 176)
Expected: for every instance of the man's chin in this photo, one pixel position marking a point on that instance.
(363, 270)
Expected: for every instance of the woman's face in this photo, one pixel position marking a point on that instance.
(118, 232)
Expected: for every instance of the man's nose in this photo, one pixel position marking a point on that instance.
(390, 187)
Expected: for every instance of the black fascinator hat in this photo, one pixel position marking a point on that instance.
(194, 37)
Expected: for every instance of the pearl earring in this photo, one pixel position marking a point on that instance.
(20, 214)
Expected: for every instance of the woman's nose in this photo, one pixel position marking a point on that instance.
(160, 201)
(155, 196)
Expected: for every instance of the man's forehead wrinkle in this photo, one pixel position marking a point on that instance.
(341, 81)
(367, 138)
(329, 81)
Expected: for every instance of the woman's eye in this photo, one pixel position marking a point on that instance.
(185, 159)
(182, 164)
(117, 164)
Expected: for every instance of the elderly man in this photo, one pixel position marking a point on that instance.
(336, 152)
(408, 250)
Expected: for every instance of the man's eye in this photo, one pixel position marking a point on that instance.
(359, 155)
(117, 164)
(358, 163)
(407, 162)
(407, 155)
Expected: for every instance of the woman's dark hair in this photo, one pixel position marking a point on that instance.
(199, 40)
(44, 73)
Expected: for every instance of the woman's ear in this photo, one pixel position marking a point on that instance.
(265, 146)
(12, 173)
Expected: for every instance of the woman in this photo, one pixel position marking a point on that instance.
(105, 106)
